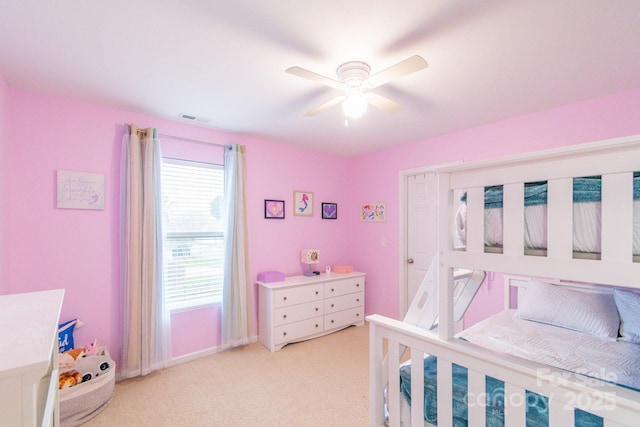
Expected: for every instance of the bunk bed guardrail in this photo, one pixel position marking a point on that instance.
(616, 405)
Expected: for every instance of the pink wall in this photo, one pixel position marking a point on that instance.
(4, 190)
(375, 177)
(274, 171)
(79, 250)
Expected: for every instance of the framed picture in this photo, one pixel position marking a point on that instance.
(329, 210)
(274, 209)
(373, 212)
(80, 190)
(303, 203)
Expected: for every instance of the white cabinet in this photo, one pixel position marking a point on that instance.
(29, 358)
(300, 307)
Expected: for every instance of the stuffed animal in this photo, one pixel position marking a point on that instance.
(76, 353)
(91, 349)
(91, 367)
(65, 362)
(69, 379)
(68, 359)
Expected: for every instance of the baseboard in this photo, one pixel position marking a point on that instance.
(190, 356)
(193, 356)
(201, 353)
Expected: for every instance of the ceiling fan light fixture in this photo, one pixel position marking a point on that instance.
(354, 105)
(354, 78)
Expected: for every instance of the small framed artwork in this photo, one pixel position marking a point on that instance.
(329, 210)
(373, 212)
(80, 190)
(303, 203)
(274, 209)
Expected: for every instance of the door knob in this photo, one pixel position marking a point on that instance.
(410, 261)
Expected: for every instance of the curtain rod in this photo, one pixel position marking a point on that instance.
(143, 131)
(191, 140)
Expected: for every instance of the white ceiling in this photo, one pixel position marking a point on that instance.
(224, 60)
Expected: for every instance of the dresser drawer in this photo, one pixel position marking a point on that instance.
(298, 295)
(295, 313)
(343, 318)
(342, 287)
(294, 331)
(302, 307)
(343, 302)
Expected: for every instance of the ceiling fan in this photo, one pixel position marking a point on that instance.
(354, 79)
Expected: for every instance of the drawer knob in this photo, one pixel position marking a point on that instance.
(317, 309)
(316, 325)
(285, 298)
(331, 305)
(332, 289)
(332, 321)
(357, 314)
(284, 334)
(284, 317)
(357, 285)
(317, 292)
(357, 300)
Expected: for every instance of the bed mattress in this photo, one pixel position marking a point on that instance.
(586, 225)
(613, 361)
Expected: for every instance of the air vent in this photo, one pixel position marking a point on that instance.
(193, 118)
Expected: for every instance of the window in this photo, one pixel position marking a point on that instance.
(192, 206)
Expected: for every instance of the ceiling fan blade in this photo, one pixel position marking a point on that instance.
(306, 74)
(325, 106)
(382, 102)
(401, 69)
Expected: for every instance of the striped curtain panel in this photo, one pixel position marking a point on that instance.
(146, 330)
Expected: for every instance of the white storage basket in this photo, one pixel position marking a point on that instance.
(80, 403)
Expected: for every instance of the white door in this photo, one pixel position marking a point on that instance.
(421, 230)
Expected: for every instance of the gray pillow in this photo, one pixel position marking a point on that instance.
(589, 312)
(628, 303)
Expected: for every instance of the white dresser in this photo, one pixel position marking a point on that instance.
(300, 307)
(29, 358)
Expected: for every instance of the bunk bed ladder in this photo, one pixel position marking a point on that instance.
(423, 311)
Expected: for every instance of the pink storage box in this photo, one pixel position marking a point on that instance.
(270, 276)
(342, 269)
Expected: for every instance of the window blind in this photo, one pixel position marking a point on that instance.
(192, 207)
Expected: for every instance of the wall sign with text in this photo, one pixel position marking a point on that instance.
(80, 190)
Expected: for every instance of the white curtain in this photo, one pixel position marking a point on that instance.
(235, 330)
(146, 344)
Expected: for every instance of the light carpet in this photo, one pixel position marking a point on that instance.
(320, 382)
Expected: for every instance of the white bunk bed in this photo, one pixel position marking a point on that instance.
(565, 394)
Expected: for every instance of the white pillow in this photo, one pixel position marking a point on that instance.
(592, 313)
(629, 308)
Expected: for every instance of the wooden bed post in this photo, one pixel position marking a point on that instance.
(444, 270)
(377, 379)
